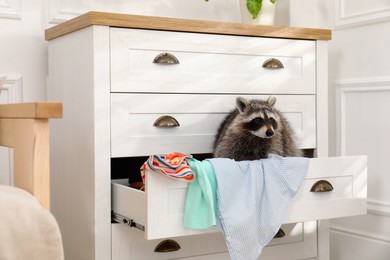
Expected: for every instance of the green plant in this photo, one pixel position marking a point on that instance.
(254, 6)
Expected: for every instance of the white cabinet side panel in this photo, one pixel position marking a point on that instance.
(78, 76)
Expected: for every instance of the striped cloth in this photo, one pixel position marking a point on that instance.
(253, 197)
(173, 165)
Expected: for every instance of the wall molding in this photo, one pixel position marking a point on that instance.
(344, 20)
(359, 234)
(10, 9)
(345, 87)
(374, 207)
(379, 208)
(11, 92)
(12, 88)
(59, 14)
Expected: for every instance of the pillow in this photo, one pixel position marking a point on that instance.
(27, 229)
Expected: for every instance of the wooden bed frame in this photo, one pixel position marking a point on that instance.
(25, 128)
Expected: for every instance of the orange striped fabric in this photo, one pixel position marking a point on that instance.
(173, 165)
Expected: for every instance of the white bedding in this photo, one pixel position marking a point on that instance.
(27, 229)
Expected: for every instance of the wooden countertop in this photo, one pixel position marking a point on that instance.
(34, 110)
(184, 25)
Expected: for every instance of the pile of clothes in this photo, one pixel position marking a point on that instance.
(248, 199)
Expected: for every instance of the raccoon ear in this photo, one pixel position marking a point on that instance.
(271, 101)
(241, 104)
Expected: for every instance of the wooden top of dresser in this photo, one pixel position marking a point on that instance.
(184, 25)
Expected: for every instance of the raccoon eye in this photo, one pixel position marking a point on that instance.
(256, 123)
(273, 122)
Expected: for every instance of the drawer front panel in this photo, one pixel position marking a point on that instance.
(129, 243)
(207, 66)
(348, 197)
(199, 116)
(299, 242)
(347, 175)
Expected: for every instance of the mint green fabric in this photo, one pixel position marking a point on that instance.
(201, 202)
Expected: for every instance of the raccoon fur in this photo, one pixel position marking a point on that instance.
(253, 130)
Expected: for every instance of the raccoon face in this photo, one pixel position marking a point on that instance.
(262, 125)
(258, 117)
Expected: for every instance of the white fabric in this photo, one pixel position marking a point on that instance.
(27, 229)
(253, 197)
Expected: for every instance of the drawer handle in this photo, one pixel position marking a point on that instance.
(280, 233)
(273, 64)
(166, 121)
(167, 246)
(166, 58)
(321, 186)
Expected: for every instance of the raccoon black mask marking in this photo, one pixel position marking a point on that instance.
(253, 130)
(259, 122)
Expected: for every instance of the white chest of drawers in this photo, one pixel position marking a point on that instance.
(101, 67)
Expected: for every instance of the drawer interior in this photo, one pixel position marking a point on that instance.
(128, 167)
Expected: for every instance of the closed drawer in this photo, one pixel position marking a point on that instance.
(199, 116)
(129, 243)
(299, 242)
(165, 197)
(209, 63)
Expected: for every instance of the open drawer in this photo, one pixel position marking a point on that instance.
(159, 209)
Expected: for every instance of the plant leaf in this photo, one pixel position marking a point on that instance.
(254, 7)
(272, 1)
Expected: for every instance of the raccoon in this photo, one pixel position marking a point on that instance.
(253, 130)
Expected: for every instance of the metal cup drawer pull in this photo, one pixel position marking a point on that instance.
(280, 234)
(273, 64)
(167, 246)
(166, 58)
(166, 121)
(321, 186)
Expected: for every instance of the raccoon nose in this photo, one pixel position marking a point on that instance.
(269, 132)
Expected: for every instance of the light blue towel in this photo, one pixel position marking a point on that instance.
(253, 197)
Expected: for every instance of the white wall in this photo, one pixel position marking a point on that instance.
(23, 60)
(359, 67)
(22, 46)
(360, 76)
(359, 111)
(359, 96)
